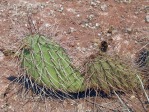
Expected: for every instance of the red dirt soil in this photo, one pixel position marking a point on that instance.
(78, 26)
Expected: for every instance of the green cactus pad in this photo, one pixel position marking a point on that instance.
(49, 65)
(110, 74)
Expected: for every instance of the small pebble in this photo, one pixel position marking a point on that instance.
(128, 30)
(103, 7)
(132, 97)
(147, 18)
(1, 56)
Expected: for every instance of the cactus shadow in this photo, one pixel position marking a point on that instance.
(28, 84)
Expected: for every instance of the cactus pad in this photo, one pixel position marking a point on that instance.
(110, 74)
(49, 65)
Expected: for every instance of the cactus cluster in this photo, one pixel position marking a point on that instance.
(48, 65)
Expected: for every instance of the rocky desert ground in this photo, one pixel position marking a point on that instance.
(79, 26)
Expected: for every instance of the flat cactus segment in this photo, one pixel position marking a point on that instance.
(49, 65)
(110, 74)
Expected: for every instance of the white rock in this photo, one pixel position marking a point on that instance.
(1, 56)
(147, 18)
(103, 7)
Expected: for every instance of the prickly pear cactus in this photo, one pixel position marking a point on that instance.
(49, 65)
(109, 74)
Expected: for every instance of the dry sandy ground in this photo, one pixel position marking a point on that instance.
(79, 26)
